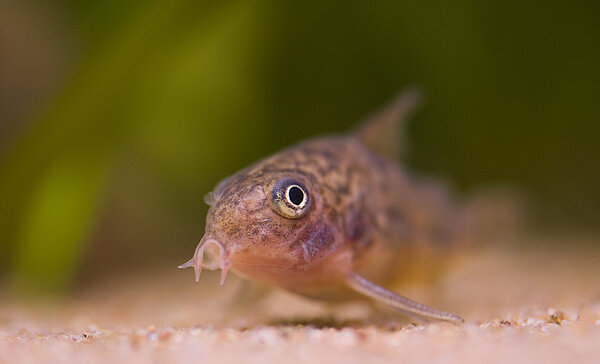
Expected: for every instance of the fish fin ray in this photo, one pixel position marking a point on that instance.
(363, 286)
(383, 131)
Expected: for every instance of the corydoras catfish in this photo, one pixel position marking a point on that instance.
(333, 215)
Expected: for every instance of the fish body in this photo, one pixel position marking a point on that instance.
(330, 216)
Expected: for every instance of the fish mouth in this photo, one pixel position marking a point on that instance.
(219, 257)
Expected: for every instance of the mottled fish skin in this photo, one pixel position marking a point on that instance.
(367, 216)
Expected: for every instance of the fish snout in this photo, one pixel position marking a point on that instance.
(218, 256)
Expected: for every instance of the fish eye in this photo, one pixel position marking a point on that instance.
(295, 195)
(290, 199)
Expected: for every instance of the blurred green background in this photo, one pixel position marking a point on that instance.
(116, 117)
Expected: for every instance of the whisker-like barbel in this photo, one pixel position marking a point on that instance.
(221, 261)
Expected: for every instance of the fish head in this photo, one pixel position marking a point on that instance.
(270, 224)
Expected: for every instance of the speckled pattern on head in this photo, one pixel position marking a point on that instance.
(364, 215)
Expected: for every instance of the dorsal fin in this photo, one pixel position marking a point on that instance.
(382, 131)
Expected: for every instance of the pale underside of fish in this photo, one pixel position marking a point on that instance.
(331, 216)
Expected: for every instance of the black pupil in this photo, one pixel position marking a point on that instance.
(296, 195)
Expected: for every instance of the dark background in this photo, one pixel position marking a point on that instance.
(117, 117)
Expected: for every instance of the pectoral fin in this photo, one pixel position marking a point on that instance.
(370, 289)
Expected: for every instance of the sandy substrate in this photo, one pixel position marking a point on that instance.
(538, 304)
